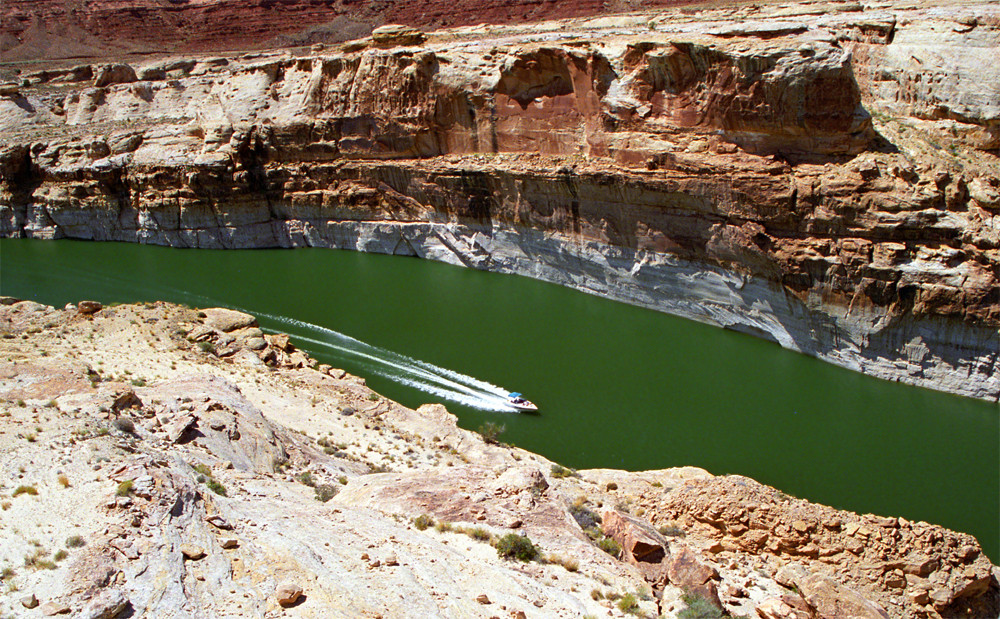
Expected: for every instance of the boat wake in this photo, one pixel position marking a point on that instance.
(427, 377)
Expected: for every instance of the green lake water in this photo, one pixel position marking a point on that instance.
(618, 386)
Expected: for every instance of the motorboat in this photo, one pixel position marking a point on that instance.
(517, 401)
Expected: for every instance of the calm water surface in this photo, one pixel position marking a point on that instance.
(618, 386)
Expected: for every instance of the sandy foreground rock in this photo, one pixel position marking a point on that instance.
(231, 482)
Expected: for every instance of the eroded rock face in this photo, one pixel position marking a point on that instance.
(754, 169)
(880, 557)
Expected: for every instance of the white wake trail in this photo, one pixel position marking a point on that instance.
(426, 377)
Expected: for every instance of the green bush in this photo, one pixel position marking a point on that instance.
(216, 486)
(671, 531)
(516, 546)
(628, 603)
(75, 541)
(698, 607)
(423, 522)
(124, 488)
(307, 479)
(559, 471)
(203, 469)
(610, 546)
(325, 492)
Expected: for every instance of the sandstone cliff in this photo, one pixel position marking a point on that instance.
(163, 461)
(824, 176)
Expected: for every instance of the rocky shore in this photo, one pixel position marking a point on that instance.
(167, 461)
(824, 176)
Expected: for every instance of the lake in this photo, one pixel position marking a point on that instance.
(617, 386)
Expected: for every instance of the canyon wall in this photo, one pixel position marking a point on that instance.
(825, 177)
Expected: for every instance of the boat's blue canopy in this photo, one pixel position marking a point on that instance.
(514, 395)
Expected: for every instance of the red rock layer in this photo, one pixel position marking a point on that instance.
(185, 26)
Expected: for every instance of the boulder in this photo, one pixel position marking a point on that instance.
(106, 604)
(256, 343)
(126, 399)
(279, 341)
(192, 552)
(288, 593)
(51, 609)
(397, 34)
(116, 73)
(641, 544)
(516, 480)
(89, 307)
(29, 601)
(688, 572)
(831, 600)
(778, 608)
(227, 320)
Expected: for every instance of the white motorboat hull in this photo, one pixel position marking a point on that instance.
(525, 406)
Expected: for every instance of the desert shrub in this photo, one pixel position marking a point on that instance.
(491, 432)
(203, 469)
(611, 486)
(207, 347)
(516, 546)
(584, 516)
(63, 480)
(75, 541)
(124, 424)
(443, 527)
(698, 607)
(610, 546)
(571, 564)
(559, 471)
(60, 555)
(124, 488)
(25, 490)
(325, 492)
(628, 603)
(216, 486)
(480, 534)
(37, 560)
(138, 382)
(671, 531)
(423, 522)
(306, 478)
